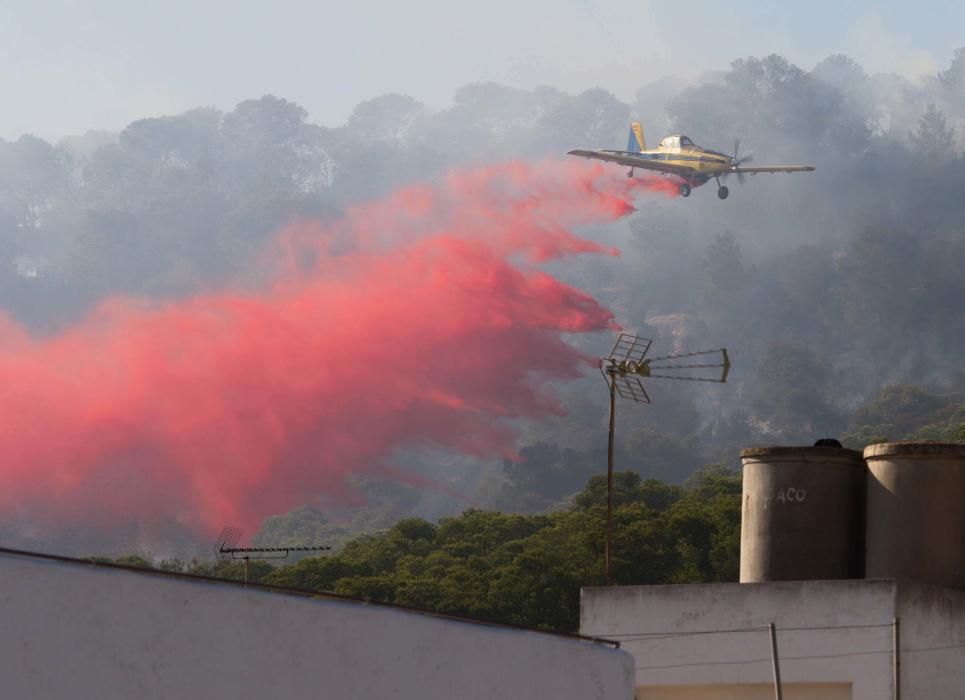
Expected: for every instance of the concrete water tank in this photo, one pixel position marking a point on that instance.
(916, 512)
(803, 514)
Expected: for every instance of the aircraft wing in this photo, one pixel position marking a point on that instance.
(773, 169)
(634, 161)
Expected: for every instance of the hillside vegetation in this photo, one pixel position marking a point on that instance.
(526, 569)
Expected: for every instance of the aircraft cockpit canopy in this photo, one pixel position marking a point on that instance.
(676, 142)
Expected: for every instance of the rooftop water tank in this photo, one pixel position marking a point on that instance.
(916, 512)
(802, 514)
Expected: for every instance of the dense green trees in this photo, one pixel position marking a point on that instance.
(907, 412)
(528, 569)
(525, 569)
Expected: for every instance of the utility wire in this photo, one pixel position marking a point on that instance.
(645, 636)
(802, 658)
(833, 627)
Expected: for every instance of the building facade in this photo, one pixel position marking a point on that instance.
(71, 629)
(834, 639)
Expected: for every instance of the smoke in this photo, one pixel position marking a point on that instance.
(177, 205)
(416, 320)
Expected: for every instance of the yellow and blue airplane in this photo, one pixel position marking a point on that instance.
(678, 156)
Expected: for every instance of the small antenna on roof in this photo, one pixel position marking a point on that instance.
(623, 369)
(227, 549)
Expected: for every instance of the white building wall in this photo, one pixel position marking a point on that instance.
(81, 631)
(835, 639)
(932, 641)
(658, 625)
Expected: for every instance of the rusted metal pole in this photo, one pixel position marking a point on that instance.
(896, 660)
(609, 482)
(775, 662)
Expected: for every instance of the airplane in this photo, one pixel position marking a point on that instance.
(679, 156)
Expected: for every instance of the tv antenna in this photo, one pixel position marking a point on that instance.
(227, 549)
(623, 370)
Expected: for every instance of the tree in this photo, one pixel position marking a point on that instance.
(548, 470)
(780, 110)
(304, 526)
(953, 80)
(269, 151)
(934, 139)
(628, 489)
(385, 121)
(872, 306)
(904, 412)
(594, 118)
(792, 398)
(855, 89)
(33, 175)
(725, 274)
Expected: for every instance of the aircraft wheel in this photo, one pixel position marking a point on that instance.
(685, 190)
(630, 174)
(723, 192)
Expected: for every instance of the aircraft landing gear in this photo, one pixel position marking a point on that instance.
(685, 190)
(630, 174)
(722, 192)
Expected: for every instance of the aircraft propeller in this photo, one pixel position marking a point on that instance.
(737, 162)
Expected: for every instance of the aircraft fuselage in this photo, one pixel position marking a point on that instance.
(703, 162)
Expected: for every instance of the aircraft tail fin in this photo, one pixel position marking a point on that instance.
(636, 142)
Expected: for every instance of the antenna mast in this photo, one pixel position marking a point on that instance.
(623, 369)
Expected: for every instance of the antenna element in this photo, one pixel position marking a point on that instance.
(623, 370)
(226, 549)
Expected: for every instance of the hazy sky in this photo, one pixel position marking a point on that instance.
(66, 67)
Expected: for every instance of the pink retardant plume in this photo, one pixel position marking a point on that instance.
(415, 320)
